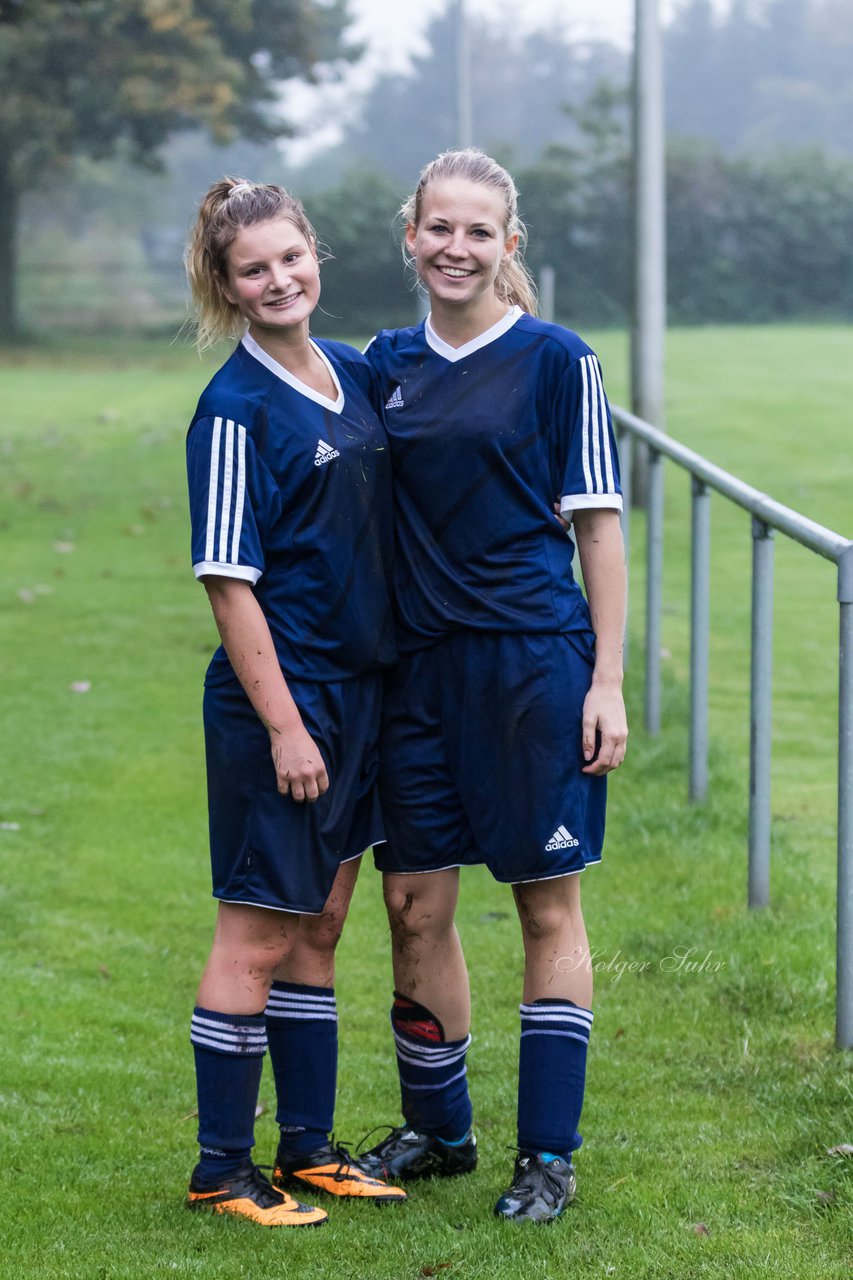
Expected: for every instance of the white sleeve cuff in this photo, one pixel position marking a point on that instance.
(216, 569)
(572, 502)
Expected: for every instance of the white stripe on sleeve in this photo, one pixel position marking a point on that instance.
(595, 420)
(241, 494)
(587, 475)
(227, 479)
(605, 434)
(212, 491)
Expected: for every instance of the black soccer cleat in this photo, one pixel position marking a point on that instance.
(406, 1154)
(541, 1188)
(249, 1194)
(332, 1169)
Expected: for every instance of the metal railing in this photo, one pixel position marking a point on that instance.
(768, 517)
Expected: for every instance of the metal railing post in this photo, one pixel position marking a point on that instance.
(761, 683)
(626, 454)
(654, 591)
(767, 516)
(700, 627)
(844, 936)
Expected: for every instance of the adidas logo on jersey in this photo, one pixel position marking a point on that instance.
(324, 453)
(396, 401)
(561, 839)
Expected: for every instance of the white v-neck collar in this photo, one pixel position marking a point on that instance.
(264, 358)
(442, 348)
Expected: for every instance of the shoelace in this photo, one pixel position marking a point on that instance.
(392, 1129)
(341, 1150)
(261, 1183)
(527, 1182)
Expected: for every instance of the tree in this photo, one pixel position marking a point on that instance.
(764, 74)
(576, 203)
(519, 84)
(89, 76)
(365, 286)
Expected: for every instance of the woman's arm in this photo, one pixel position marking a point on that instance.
(245, 634)
(602, 555)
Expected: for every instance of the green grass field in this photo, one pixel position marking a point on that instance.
(716, 1094)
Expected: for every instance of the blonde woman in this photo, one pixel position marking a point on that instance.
(505, 712)
(290, 500)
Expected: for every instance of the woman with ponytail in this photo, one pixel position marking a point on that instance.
(290, 508)
(505, 712)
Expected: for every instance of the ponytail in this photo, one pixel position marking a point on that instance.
(226, 208)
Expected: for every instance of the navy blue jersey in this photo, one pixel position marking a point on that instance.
(291, 492)
(484, 439)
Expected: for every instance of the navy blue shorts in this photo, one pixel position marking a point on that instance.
(481, 758)
(266, 849)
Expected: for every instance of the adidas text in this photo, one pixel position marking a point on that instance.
(396, 401)
(324, 453)
(561, 839)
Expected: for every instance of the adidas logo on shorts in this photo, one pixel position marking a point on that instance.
(324, 453)
(561, 839)
(396, 401)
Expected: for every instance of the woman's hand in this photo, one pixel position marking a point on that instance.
(604, 721)
(299, 768)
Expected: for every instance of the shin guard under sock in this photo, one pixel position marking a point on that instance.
(433, 1075)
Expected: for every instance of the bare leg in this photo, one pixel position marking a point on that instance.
(556, 950)
(311, 959)
(248, 944)
(427, 957)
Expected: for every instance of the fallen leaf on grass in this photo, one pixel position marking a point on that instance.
(843, 1149)
(620, 1031)
(700, 1229)
(825, 1197)
(64, 548)
(104, 972)
(439, 1266)
(80, 686)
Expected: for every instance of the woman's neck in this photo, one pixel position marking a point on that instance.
(458, 325)
(291, 348)
(294, 351)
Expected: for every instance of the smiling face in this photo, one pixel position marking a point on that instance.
(273, 276)
(459, 245)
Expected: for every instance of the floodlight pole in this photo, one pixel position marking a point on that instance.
(649, 309)
(464, 127)
(649, 321)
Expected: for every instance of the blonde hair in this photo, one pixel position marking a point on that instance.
(227, 207)
(514, 284)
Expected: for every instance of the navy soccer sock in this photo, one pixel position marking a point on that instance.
(552, 1075)
(229, 1057)
(433, 1075)
(302, 1029)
